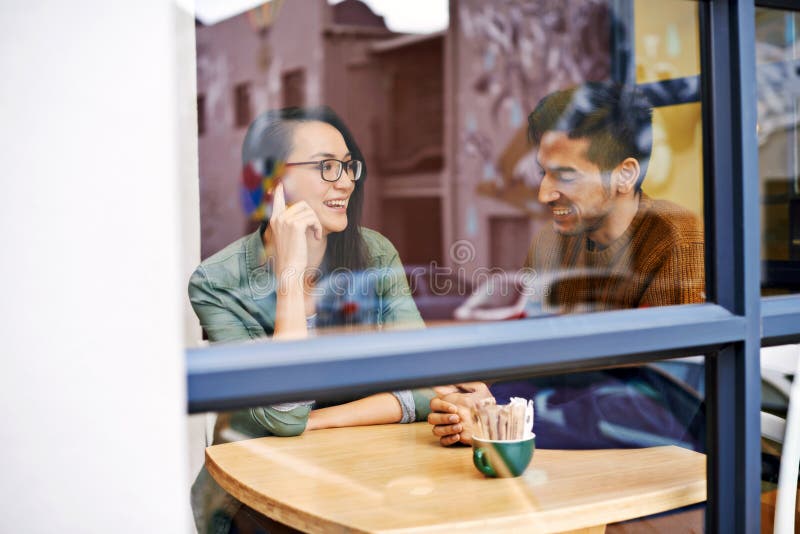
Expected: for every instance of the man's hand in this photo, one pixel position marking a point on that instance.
(450, 411)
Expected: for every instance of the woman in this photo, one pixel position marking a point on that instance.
(263, 285)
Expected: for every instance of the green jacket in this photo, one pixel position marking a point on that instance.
(233, 295)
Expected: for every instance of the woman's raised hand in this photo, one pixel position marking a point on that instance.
(291, 228)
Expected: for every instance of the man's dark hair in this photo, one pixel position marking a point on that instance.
(269, 139)
(616, 119)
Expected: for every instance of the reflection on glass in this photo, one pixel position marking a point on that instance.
(778, 60)
(778, 372)
(531, 159)
(667, 40)
(383, 479)
(394, 476)
(454, 181)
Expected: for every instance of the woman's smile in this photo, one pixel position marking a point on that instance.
(316, 141)
(338, 205)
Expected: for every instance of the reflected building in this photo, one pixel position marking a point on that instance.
(778, 76)
(441, 117)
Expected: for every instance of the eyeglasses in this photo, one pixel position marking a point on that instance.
(331, 169)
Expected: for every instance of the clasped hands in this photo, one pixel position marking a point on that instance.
(450, 411)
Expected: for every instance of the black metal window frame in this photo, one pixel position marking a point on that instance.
(729, 331)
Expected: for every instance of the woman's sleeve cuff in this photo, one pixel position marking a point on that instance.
(406, 400)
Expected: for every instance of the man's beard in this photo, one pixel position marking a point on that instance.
(584, 226)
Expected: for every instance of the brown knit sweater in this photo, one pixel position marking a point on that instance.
(658, 261)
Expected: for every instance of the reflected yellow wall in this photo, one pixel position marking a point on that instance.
(676, 166)
(667, 42)
(667, 39)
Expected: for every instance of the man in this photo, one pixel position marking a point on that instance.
(610, 246)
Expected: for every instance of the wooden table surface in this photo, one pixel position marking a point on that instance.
(397, 478)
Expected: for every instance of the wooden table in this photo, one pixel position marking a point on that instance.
(397, 478)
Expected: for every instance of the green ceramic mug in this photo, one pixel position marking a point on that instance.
(503, 459)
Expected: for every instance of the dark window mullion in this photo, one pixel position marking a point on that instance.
(733, 374)
(227, 376)
(779, 4)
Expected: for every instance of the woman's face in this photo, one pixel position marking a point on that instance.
(316, 141)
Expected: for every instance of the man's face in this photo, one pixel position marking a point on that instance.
(572, 186)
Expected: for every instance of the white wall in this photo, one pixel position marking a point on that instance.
(198, 426)
(92, 432)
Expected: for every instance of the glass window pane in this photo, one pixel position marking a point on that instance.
(522, 159)
(778, 60)
(401, 475)
(667, 40)
(778, 372)
(456, 191)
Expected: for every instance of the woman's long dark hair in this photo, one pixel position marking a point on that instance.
(269, 138)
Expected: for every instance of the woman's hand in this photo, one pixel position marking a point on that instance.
(290, 230)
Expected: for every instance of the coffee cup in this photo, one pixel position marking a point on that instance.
(503, 458)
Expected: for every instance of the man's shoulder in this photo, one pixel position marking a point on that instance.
(672, 221)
